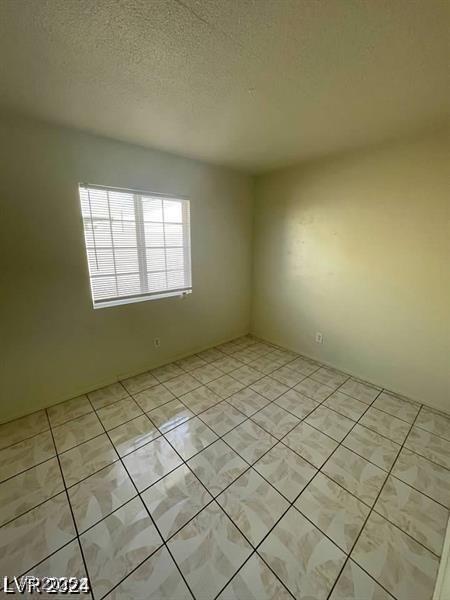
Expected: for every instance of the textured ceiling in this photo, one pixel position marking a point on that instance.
(253, 84)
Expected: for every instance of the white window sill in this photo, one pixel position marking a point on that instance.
(122, 301)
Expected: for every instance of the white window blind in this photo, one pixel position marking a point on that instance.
(137, 244)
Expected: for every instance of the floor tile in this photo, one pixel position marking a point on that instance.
(117, 545)
(248, 401)
(296, 403)
(71, 409)
(246, 375)
(401, 565)
(305, 366)
(167, 372)
(402, 409)
(329, 376)
(191, 437)
(96, 497)
(310, 443)
(21, 429)
(151, 462)
(385, 424)
(287, 376)
(423, 475)
(332, 423)
(346, 405)
(191, 362)
(133, 435)
(250, 441)
(107, 395)
(140, 382)
(200, 399)
(30, 488)
(75, 432)
(314, 389)
(267, 364)
(253, 505)
(211, 354)
(305, 560)
(156, 579)
(269, 388)
(30, 538)
(175, 499)
(430, 446)
(209, 550)
(153, 397)
(355, 474)
(170, 415)
(26, 454)
(355, 584)
(182, 384)
(333, 510)
(217, 466)
(225, 386)
(87, 458)
(120, 412)
(285, 470)
(222, 417)
(275, 420)
(206, 373)
(372, 446)
(416, 514)
(435, 422)
(360, 390)
(227, 364)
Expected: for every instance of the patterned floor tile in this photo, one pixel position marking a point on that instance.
(182, 384)
(117, 545)
(253, 505)
(175, 499)
(151, 462)
(209, 550)
(227, 364)
(120, 412)
(190, 363)
(346, 405)
(217, 466)
(86, 459)
(334, 424)
(255, 581)
(305, 366)
(30, 538)
(211, 354)
(285, 470)
(269, 388)
(26, 454)
(360, 390)
(156, 579)
(267, 364)
(246, 375)
(310, 443)
(191, 437)
(355, 584)
(372, 446)
(96, 497)
(435, 422)
(133, 435)
(71, 409)
(401, 565)
(287, 376)
(416, 514)
(314, 389)
(397, 407)
(200, 399)
(296, 403)
(21, 429)
(225, 386)
(274, 419)
(250, 441)
(170, 415)
(75, 432)
(305, 560)
(107, 395)
(222, 417)
(430, 446)
(333, 510)
(355, 474)
(424, 475)
(167, 372)
(329, 376)
(385, 424)
(206, 373)
(140, 382)
(27, 490)
(153, 397)
(248, 401)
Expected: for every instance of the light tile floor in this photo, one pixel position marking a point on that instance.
(243, 472)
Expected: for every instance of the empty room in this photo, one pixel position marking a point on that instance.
(225, 299)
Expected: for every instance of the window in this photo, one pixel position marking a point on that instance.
(137, 244)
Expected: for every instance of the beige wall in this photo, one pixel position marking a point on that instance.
(53, 344)
(358, 248)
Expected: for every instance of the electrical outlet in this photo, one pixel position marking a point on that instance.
(157, 342)
(319, 338)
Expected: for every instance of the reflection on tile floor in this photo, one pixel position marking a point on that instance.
(243, 472)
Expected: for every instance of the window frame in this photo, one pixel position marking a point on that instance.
(140, 245)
